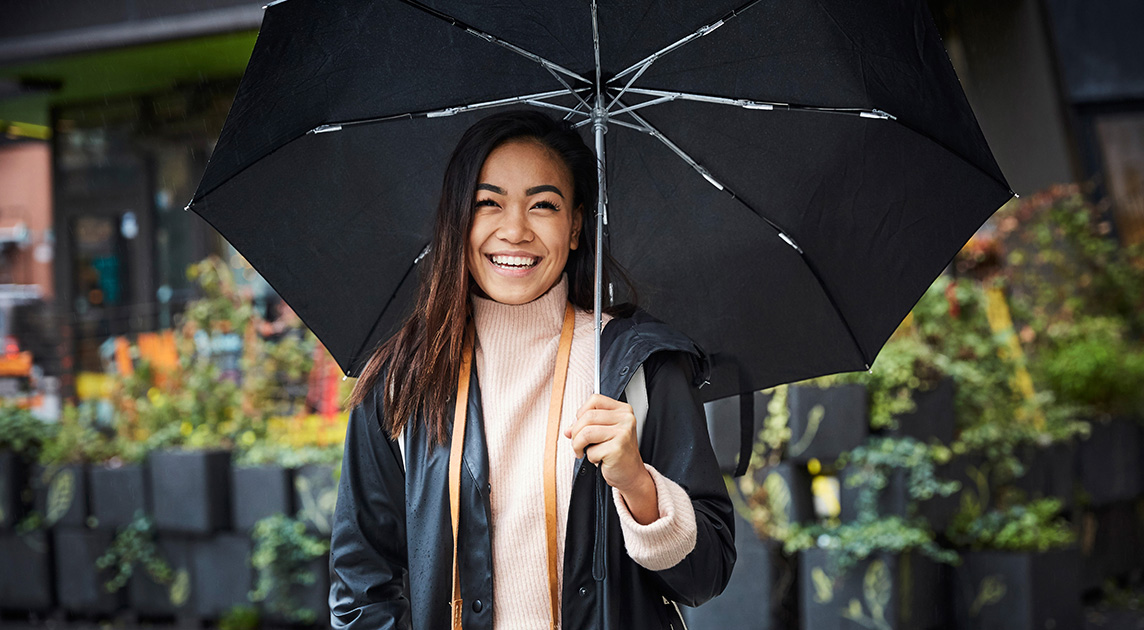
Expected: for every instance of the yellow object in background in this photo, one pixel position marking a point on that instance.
(309, 430)
(1001, 322)
(92, 385)
(827, 496)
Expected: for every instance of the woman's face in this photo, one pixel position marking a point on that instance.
(524, 224)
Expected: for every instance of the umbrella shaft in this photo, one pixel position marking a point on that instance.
(600, 125)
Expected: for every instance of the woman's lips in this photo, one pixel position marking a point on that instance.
(513, 265)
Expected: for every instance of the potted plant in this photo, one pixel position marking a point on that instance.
(1076, 292)
(292, 573)
(194, 416)
(897, 477)
(158, 580)
(62, 480)
(1019, 567)
(877, 573)
(909, 393)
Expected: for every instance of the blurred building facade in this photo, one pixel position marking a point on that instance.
(119, 102)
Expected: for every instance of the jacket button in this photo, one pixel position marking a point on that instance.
(623, 370)
(477, 605)
(583, 592)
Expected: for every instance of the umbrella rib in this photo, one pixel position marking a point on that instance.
(647, 128)
(646, 62)
(664, 96)
(373, 328)
(492, 39)
(568, 110)
(576, 110)
(875, 114)
(532, 99)
(567, 87)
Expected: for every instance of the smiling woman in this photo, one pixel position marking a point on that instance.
(523, 225)
(472, 428)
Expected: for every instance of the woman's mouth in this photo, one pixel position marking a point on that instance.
(513, 262)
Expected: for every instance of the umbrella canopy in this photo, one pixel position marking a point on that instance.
(784, 179)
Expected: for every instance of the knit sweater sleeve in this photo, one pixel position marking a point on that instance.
(666, 541)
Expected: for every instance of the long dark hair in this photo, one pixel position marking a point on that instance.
(424, 356)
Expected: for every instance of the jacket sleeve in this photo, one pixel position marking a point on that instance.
(367, 545)
(676, 443)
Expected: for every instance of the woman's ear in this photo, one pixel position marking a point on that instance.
(577, 223)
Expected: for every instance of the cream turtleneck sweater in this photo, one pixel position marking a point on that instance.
(515, 359)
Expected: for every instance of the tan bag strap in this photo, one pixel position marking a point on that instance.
(460, 409)
(555, 407)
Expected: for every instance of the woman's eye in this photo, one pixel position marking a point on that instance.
(486, 202)
(547, 205)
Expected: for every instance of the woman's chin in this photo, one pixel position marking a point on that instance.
(516, 290)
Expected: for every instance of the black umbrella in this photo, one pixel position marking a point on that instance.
(784, 179)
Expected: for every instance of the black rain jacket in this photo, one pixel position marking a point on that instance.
(391, 545)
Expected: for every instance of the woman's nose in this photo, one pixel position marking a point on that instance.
(514, 227)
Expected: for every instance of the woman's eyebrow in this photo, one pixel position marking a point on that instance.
(489, 187)
(543, 188)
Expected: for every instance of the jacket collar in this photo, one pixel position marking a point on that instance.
(626, 342)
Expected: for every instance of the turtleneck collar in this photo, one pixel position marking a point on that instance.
(540, 319)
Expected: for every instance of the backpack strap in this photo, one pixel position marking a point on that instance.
(636, 395)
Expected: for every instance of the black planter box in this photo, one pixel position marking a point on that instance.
(898, 591)
(221, 574)
(258, 492)
(894, 500)
(934, 417)
(151, 599)
(1017, 591)
(61, 494)
(117, 494)
(723, 425)
(190, 491)
(826, 422)
(13, 482)
(1110, 540)
(26, 574)
(80, 586)
(789, 495)
(315, 494)
(762, 593)
(1049, 472)
(1109, 462)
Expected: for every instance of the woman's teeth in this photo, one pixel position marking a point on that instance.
(515, 262)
